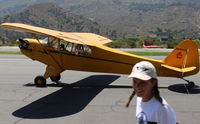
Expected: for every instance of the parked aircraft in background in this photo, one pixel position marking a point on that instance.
(147, 44)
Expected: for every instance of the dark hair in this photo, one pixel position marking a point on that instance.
(130, 98)
(156, 91)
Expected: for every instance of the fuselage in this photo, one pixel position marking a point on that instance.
(97, 58)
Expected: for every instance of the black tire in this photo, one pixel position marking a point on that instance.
(191, 84)
(55, 78)
(40, 81)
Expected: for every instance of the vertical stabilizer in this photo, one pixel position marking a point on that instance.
(185, 55)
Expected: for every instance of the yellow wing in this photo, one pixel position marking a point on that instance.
(93, 37)
(79, 38)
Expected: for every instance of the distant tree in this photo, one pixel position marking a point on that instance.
(114, 34)
(158, 31)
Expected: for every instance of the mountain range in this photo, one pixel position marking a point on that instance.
(112, 18)
(52, 16)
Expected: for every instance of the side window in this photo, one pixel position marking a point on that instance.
(55, 43)
(78, 49)
(73, 48)
(63, 45)
(69, 47)
(82, 49)
(85, 50)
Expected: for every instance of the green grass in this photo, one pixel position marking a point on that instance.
(10, 52)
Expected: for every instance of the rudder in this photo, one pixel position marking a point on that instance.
(185, 55)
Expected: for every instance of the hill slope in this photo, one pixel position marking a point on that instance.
(134, 17)
(140, 17)
(50, 15)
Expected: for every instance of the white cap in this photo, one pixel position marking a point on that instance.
(143, 70)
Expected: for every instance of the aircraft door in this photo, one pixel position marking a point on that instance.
(73, 54)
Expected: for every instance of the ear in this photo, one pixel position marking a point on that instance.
(132, 82)
(154, 82)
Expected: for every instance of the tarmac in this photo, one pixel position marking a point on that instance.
(9, 48)
(82, 97)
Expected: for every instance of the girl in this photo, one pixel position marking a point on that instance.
(150, 107)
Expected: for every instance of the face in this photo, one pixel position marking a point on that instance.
(143, 88)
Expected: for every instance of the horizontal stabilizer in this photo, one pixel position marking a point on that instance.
(183, 70)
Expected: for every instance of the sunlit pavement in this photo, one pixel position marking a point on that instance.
(82, 97)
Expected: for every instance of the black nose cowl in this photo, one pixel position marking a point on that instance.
(23, 44)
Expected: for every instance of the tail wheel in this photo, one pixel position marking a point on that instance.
(55, 78)
(40, 81)
(191, 84)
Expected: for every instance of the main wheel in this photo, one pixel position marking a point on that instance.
(40, 81)
(55, 78)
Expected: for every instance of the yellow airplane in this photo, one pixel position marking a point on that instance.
(62, 51)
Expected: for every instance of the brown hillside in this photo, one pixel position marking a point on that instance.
(50, 15)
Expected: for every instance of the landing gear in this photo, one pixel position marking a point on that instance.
(191, 84)
(55, 78)
(52, 73)
(40, 81)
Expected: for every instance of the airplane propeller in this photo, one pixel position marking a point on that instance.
(23, 44)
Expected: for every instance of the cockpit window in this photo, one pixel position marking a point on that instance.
(62, 45)
(54, 43)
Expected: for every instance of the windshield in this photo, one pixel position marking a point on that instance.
(51, 42)
(45, 40)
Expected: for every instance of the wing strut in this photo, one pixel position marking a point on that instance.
(47, 52)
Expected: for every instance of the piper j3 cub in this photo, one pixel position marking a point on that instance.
(62, 51)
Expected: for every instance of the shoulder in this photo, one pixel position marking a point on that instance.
(163, 109)
(166, 113)
(164, 106)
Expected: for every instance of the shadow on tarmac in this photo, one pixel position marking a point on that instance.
(183, 88)
(69, 100)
